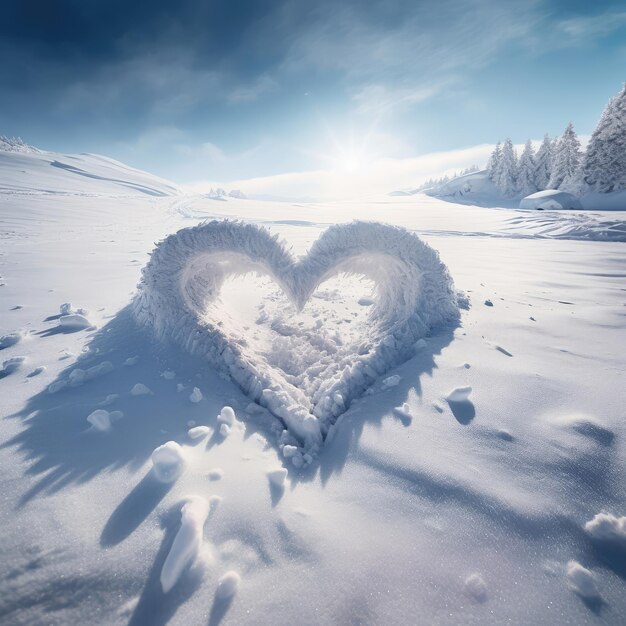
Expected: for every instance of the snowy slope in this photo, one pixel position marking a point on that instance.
(80, 174)
(459, 491)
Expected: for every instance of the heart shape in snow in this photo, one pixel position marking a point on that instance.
(182, 282)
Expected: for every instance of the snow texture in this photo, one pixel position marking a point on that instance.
(187, 542)
(414, 294)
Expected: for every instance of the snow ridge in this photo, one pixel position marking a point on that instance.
(414, 294)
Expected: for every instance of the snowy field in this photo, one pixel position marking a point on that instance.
(459, 487)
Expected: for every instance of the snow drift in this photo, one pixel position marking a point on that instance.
(414, 294)
(550, 199)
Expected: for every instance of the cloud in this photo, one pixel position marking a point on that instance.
(379, 176)
(593, 26)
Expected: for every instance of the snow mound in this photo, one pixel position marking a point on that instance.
(181, 285)
(187, 543)
(581, 581)
(607, 527)
(550, 199)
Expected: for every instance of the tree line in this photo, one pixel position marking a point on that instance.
(559, 163)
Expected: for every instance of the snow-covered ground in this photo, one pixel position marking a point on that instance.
(479, 481)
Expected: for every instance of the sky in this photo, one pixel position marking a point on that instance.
(304, 98)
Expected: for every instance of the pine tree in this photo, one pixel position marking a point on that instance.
(495, 163)
(543, 164)
(604, 163)
(566, 162)
(526, 171)
(507, 176)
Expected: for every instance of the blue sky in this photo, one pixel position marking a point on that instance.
(227, 91)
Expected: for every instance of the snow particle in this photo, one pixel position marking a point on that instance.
(133, 360)
(168, 374)
(488, 303)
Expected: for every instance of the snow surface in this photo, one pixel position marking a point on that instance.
(394, 518)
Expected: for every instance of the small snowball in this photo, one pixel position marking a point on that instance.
(13, 364)
(581, 581)
(74, 320)
(460, 394)
(66, 309)
(133, 360)
(224, 430)
(476, 587)
(607, 527)
(277, 477)
(198, 432)
(391, 381)
(180, 387)
(226, 416)
(168, 374)
(227, 585)
(216, 473)
(289, 451)
(140, 390)
(196, 395)
(488, 303)
(168, 462)
(504, 434)
(112, 397)
(100, 420)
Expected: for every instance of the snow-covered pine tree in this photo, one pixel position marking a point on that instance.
(566, 174)
(495, 163)
(543, 164)
(526, 171)
(604, 163)
(507, 178)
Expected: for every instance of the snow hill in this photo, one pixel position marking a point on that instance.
(24, 169)
(478, 480)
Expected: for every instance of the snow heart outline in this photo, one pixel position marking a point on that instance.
(414, 295)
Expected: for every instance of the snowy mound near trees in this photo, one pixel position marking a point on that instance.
(304, 372)
(550, 199)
